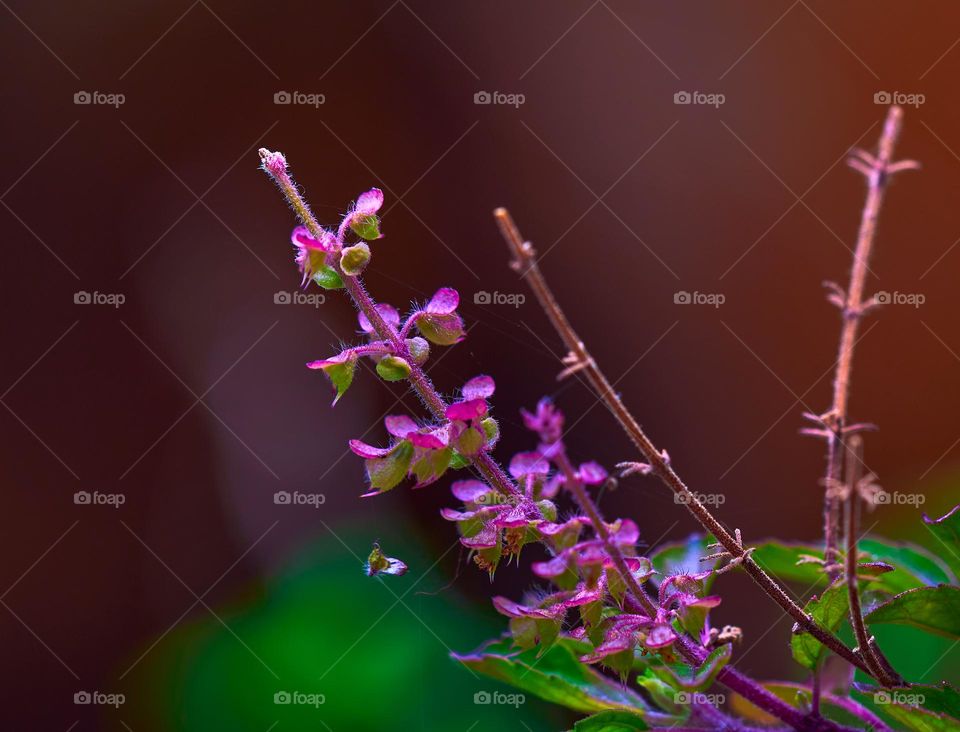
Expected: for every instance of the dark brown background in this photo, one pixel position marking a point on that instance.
(104, 199)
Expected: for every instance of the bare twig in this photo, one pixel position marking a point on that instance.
(877, 170)
(658, 462)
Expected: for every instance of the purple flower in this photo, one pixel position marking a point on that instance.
(362, 218)
(438, 320)
(546, 421)
(312, 253)
(387, 312)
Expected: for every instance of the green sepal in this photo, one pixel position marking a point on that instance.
(354, 259)
(366, 226)
(393, 368)
(387, 472)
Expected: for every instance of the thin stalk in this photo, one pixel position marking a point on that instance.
(854, 445)
(525, 263)
(580, 494)
(498, 478)
(877, 171)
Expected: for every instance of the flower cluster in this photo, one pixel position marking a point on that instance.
(583, 569)
(318, 251)
(425, 452)
(437, 322)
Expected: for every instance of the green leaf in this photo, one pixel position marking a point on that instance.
(943, 698)
(327, 277)
(386, 472)
(366, 226)
(458, 461)
(683, 677)
(829, 610)
(922, 720)
(933, 609)
(684, 557)
(393, 368)
(442, 329)
(914, 566)
(470, 441)
(558, 676)
(491, 431)
(432, 465)
(611, 722)
(946, 530)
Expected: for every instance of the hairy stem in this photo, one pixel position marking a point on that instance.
(587, 505)
(525, 263)
(498, 478)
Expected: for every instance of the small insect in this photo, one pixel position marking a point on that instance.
(379, 563)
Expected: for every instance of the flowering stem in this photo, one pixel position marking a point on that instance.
(419, 380)
(497, 477)
(877, 171)
(587, 505)
(525, 264)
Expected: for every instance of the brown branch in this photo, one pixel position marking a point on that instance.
(877, 170)
(658, 463)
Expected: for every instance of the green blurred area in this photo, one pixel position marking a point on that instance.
(325, 628)
(322, 627)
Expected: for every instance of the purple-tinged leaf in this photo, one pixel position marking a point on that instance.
(466, 411)
(528, 463)
(387, 312)
(592, 473)
(443, 302)
(479, 387)
(444, 330)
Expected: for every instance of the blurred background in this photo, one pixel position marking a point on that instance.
(154, 363)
